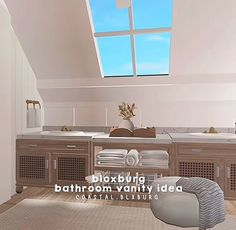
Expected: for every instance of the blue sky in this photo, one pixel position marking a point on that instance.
(152, 50)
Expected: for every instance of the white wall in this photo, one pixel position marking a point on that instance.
(204, 37)
(6, 107)
(18, 83)
(25, 86)
(24, 82)
(200, 90)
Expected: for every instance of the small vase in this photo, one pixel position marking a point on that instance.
(127, 124)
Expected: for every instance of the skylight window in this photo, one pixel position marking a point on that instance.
(152, 54)
(152, 14)
(133, 41)
(116, 55)
(107, 17)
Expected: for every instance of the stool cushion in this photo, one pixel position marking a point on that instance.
(175, 208)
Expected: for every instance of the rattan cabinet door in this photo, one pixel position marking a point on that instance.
(32, 168)
(230, 178)
(206, 168)
(69, 168)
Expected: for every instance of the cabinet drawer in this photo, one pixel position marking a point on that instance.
(197, 150)
(78, 146)
(30, 145)
(206, 150)
(192, 151)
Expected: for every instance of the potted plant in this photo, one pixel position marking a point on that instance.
(126, 111)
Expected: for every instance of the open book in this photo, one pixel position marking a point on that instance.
(139, 132)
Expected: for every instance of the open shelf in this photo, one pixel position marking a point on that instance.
(134, 169)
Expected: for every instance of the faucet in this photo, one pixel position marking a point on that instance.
(211, 130)
(65, 128)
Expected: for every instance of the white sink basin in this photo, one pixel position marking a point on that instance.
(216, 135)
(62, 133)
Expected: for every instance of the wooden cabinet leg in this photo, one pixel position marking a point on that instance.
(19, 189)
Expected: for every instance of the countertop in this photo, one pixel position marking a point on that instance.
(97, 137)
(221, 138)
(160, 139)
(100, 137)
(59, 135)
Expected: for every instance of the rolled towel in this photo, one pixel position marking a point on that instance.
(132, 158)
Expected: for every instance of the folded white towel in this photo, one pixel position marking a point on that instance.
(31, 116)
(108, 155)
(160, 154)
(37, 117)
(141, 163)
(110, 163)
(154, 161)
(163, 157)
(154, 165)
(121, 159)
(114, 151)
(111, 159)
(132, 158)
(154, 152)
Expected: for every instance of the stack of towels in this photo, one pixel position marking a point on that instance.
(121, 157)
(154, 158)
(112, 157)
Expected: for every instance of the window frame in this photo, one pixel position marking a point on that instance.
(132, 32)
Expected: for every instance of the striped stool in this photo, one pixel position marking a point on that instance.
(175, 208)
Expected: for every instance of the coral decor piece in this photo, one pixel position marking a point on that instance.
(126, 110)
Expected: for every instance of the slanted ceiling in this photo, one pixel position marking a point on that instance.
(56, 36)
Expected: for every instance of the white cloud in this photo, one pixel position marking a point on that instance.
(153, 67)
(148, 67)
(157, 37)
(127, 67)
